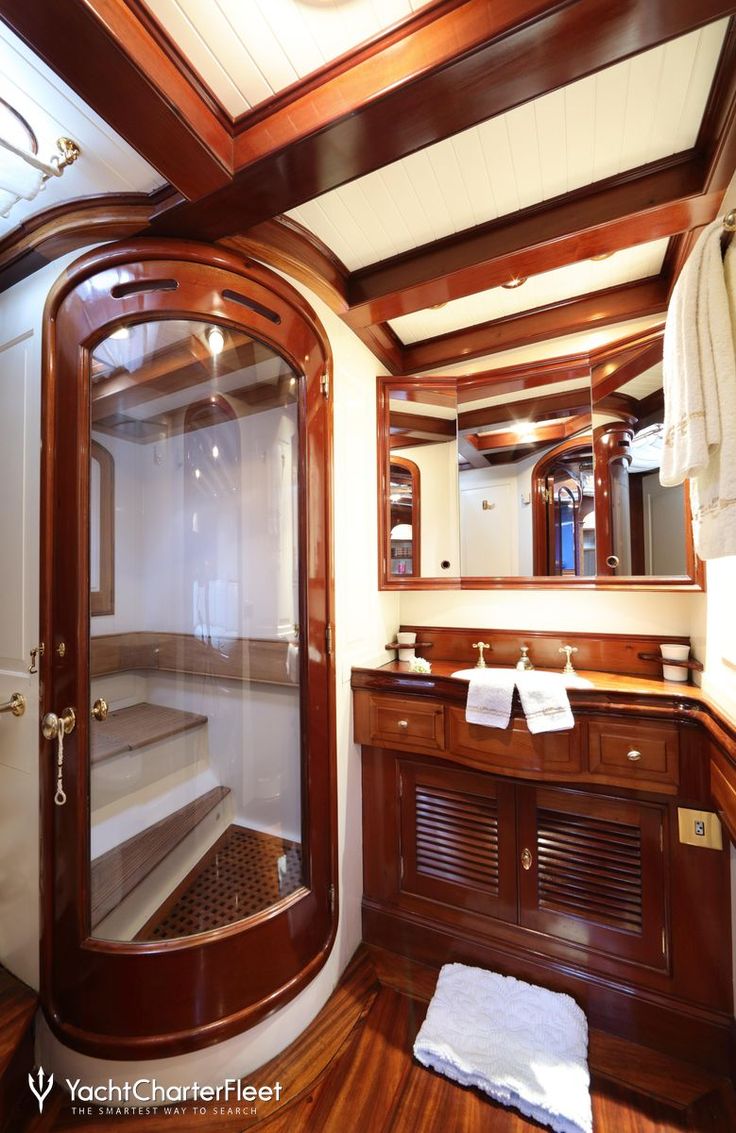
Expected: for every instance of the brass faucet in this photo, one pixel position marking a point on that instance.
(480, 646)
(568, 650)
(525, 662)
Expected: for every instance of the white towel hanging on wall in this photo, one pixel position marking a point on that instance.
(700, 392)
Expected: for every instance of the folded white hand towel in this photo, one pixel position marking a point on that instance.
(700, 392)
(523, 1045)
(545, 702)
(490, 693)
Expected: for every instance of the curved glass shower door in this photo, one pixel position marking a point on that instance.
(195, 742)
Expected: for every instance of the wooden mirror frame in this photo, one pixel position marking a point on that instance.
(120, 999)
(626, 359)
(102, 600)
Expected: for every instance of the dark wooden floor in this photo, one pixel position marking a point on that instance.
(353, 1072)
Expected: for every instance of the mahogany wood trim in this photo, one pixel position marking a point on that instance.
(608, 378)
(538, 434)
(104, 52)
(102, 600)
(467, 65)
(108, 1020)
(606, 653)
(599, 309)
(636, 206)
(75, 224)
(568, 404)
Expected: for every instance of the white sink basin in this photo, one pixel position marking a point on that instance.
(572, 680)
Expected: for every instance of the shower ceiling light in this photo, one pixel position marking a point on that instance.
(215, 340)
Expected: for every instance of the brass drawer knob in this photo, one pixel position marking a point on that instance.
(633, 755)
(403, 723)
(526, 859)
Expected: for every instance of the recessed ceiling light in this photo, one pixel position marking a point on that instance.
(515, 281)
(215, 340)
(438, 306)
(602, 256)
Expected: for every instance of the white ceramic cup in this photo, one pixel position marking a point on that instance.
(407, 640)
(674, 652)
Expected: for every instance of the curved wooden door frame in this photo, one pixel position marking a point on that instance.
(413, 469)
(133, 1000)
(540, 519)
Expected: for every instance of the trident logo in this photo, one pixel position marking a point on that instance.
(38, 1091)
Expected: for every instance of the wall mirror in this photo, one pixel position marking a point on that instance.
(544, 474)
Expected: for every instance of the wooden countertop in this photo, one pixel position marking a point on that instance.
(607, 684)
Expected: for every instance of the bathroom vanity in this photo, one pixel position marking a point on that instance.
(558, 858)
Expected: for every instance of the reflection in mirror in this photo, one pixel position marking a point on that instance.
(423, 457)
(101, 531)
(522, 513)
(404, 496)
(643, 525)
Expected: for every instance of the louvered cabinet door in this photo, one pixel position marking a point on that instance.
(592, 872)
(458, 839)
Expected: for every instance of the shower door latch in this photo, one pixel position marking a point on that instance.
(56, 727)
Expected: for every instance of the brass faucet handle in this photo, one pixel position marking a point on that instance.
(568, 650)
(524, 664)
(480, 646)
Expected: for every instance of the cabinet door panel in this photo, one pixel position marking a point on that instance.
(457, 839)
(592, 872)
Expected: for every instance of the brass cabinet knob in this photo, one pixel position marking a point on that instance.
(403, 723)
(526, 859)
(633, 755)
(100, 709)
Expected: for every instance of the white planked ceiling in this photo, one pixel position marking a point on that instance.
(634, 112)
(563, 347)
(107, 163)
(248, 50)
(539, 290)
(646, 383)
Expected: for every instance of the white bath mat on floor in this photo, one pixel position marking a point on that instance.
(522, 1045)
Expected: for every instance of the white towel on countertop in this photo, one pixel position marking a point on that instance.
(522, 1045)
(700, 392)
(490, 693)
(545, 701)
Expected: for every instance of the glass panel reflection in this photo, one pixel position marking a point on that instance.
(195, 774)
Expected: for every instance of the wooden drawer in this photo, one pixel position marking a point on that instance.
(633, 751)
(396, 721)
(513, 750)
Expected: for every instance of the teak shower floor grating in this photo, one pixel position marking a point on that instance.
(240, 875)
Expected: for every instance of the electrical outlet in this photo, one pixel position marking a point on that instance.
(699, 828)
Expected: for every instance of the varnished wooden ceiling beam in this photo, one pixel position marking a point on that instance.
(533, 434)
(568, 404)
(110, 59)
(591, 312)
(468, 64)
(633, 208)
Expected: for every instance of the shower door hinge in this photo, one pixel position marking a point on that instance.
(324, 384)
(328, 640)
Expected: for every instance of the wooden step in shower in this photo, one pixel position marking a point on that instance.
(17, 1010)
(127, 729)
(115, 874)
